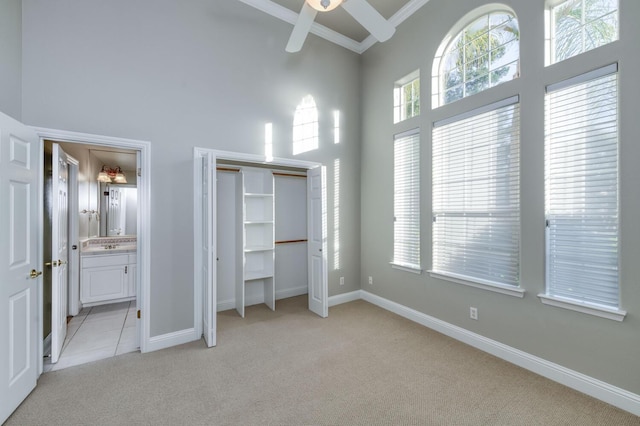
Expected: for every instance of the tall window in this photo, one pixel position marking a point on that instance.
(484, 54)
(476, 195)
(305, 126)
(406, 97)
(576, 26)
(406, 200)
(581, 182)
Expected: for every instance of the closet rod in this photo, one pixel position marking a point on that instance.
(291, 241)
(289, 175)
(226, 169)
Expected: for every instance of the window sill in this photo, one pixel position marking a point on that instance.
(485, 285)
(412, 269)
(598, 311)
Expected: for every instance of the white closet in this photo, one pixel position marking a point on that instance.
(257, 207)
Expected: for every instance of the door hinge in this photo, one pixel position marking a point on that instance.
(139, 172)
(138, 313)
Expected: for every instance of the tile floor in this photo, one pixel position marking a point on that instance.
(96, 333)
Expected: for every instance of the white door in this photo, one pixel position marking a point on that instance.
(73, 267)
(19, 263)
(317, 245)
(59, 250)
(208, 250)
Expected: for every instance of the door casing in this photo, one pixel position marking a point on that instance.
(214, 155)
(143, 225)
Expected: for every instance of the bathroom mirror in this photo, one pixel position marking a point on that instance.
(118, 207)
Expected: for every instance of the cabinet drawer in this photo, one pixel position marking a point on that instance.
(106, 260)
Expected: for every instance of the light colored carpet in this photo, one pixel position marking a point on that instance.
(360, 366)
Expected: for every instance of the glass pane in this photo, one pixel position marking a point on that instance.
(477, 29)
(505, 73)
(477, 85)
(453, 94)
(497, 19)
(601, 31)
(504, 54)
(452, 79)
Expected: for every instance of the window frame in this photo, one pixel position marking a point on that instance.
(437, 73)
(550, 31)
(404, 245)
(547, 297)
(400, 102)
(454, 276)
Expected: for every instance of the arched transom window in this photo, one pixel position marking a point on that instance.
(483, 54)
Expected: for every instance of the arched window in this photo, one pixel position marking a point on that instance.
(484, 53)
(305, 126)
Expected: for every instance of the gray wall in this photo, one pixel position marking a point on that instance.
(183, 74)
(11, 54)
(601, 348)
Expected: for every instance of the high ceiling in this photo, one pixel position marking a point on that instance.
(337, 25)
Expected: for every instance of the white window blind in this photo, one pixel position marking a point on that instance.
(581, 181)
(406, 200)
(476, 195)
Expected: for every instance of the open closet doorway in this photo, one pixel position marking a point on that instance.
(95, 234)
(247, 227)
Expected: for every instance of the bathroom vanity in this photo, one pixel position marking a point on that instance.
(107, 270)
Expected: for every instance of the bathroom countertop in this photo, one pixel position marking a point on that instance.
(108, 245)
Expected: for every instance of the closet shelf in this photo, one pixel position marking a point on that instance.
(256, 195)
(259, 275)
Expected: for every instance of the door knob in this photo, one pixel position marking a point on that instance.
(52, 264)
(61, 262)
(35, 274)
(74, 247)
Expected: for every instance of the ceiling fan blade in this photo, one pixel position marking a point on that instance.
(301, 29)
(369, 18)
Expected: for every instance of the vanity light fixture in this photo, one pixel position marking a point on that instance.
(109, 175)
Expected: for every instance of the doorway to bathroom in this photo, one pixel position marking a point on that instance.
(96, 245)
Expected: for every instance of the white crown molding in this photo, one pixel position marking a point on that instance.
(284, 14)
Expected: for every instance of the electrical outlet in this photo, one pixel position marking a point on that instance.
(371, 280)
(473, 313)
(341, 280)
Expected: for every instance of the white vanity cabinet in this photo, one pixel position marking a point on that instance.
(107, 278)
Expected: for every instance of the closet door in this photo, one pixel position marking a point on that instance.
(227, 218)
(207, 252)
(317, 252)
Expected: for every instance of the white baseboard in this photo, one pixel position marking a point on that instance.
(339, 299)
(225, 305)
(164, 341)
(291, 292)
(598, 389)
